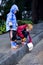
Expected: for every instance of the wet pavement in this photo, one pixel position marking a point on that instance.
(5, 50)
(35, 57)
(5, 42)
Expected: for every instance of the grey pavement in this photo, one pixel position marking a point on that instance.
(5, 42)
(35, 57)
(7, 55)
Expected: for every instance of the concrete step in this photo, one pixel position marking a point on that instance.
(14, 56)
(35, 57)
(10, 57)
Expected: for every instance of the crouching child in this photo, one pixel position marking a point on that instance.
(23, 33)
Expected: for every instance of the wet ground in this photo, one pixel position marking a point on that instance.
(32, 58)
(35, 57)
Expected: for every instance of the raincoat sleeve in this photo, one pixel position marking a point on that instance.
(9, 17)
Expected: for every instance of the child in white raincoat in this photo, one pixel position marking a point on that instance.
(11, 25)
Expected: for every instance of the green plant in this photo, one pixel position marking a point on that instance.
(2, 27)
(22, 22)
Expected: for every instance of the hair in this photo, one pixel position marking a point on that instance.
(30, 26)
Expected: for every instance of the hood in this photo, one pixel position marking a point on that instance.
(14, 8)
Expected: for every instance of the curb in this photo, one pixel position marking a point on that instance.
(37, 38)
(13, 57)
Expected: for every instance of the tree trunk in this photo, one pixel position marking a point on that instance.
(41, 9)
(35, 8)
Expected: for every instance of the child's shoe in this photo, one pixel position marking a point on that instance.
(14, 45)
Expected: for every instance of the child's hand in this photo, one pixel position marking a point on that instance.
(10, 24)
(24, 39)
